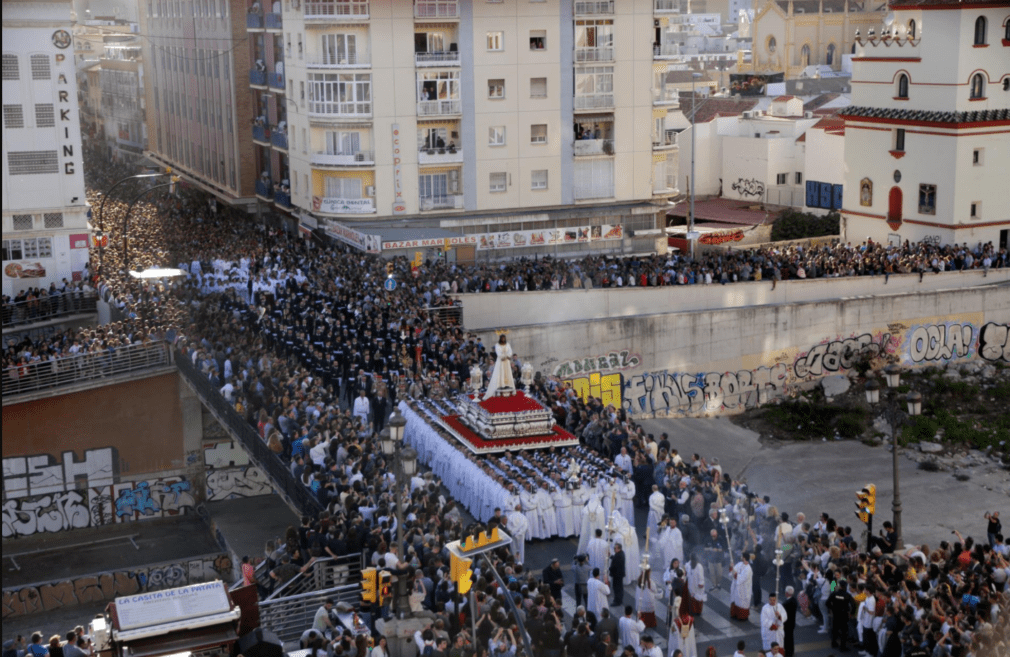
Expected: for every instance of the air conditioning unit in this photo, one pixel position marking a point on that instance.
(748, 115)
(370, 191)
(655, 22)
(359, 157)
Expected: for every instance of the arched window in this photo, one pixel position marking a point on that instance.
(771, 44)
(853, 49)
(980, 25)
(1006, 30)
(978, 86)
(805, 55)
(902, 86)
(911, 29)
(830, 57)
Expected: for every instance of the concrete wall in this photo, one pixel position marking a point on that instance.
(723, 361)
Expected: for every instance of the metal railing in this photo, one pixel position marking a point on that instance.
(357, 109)
(258, 78)
(344, 10)
(279, 139)
(264, 190)
(602, 54)
(439, 107)
(273, 21)
(448, 57)
(275, 80)
(594, 101)
(254, 21)
(450, 202)
(593, 147)
(436, 9)
(666, 5)
(593, 7)
(452, 315)
(288, 617)
(325, 573)
(357, 158)
(665, 49)
(280, 476)
(48, 307)
(79, 368)
(335, 60)
(261, 133)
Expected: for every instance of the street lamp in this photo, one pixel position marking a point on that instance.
(126, 218)
(694, 138)
(105, 197)
(724, 519)
(405, 461)
(892, 373)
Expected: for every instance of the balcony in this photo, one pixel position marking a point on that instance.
(337, 110)
(348, 60)
(279, 139)
(358, 158)
(451, 202)
(427, 9)
(261, 133)
(439, 156)
(593, 147)
(283, 199)
(583, 55)
(439, 107)
(667, 140)
(258, 78)
(329, 12)
(263, 190)
(254, 21)
(275, 80)
(666, 96)
(446, 58)
(665, 50)
(273, 21)
(666, 6)
(335, 205)
(594, 101)
(594, 7)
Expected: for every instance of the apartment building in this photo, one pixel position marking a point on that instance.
(196, 88)
(45, 222)
(521, 126)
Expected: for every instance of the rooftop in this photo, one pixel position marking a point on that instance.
(728, 212)
(927, 116)
(710, 108)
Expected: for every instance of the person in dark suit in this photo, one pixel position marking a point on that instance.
(553, 577)
(789, 626)
(618, 569)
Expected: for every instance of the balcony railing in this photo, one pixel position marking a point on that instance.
(279, 139)
(275, 80)
(439, 156)
(594, 101)
(56, 305)
(451, 202)
(665, 49)
(585, 189)
(439, 107)
(261, 133)
(667, 138)
(324, 109)
(594, 147)
(665, 96)
(254, 21)
(594, 7)
(264, 190)
(282, 199)
(273, 21)
(84, 367)
(258, 78)
(447, 58)
(349, 60)
(594, 55)
(436, 9)
(661, 6)
(323, 11)
(359, 158)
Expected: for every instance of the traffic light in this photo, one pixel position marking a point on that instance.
(385, 587)
(459, 571)
(369, 590)
(867, 503)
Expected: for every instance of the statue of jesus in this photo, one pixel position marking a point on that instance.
(501, 376)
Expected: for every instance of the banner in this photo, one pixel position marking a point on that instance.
(431, 242)
(549, 236)
(363, 241)
(335, 205)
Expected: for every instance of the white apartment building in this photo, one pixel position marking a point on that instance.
(927, 144)
(45, 222)
(540, 121)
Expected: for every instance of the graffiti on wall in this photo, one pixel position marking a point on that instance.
(94, 507)
(833, 356)
(939, 343)
(105, 587)
(42, 474)
(231, 483)
(613, 361)
(223, 454)
(605, 387)
(672, 393)
(748, 187)
(993, 342)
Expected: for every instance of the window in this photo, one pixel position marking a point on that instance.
(592, 80)
(10, 67)
(12, 250)
(594, 178)
(927, 199)
(980, 29)
(538, 179)
(498, 182)
(342, 143)
(902, 86)
(496, 88)
(339, 49)
(538, 133)
(829, 57)
(772, 44)
(799, 177)
(53, 220)
(23, 222)
(977, 157)
(340, 93)
(40, 67)
(45, 116)
(437, 185)
(22, 163)
(594, 40)
(495, 40)
(899, 139)
(977, 86)
(805, 55)
(911, 29)
(343, 187)
(14, 116)
(1006, 32)
(780, 179)
(976, 209)
(538, 87)
(496, 136)
(37, 247)
(538, 39)
(431, 138)
(438, 85)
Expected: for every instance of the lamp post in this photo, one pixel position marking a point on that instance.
(694, 138)
(892, 374)
(405, 461)
(105, 197)
(126, 217)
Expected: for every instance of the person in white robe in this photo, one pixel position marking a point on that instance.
(548, 514)
(682, 634)
(741, 590)
(629, 629)
(673, 542)
(563, 509)
(657, 508)
(773, 618)
(626, 499)
(597, 594)
(517, 528)
(592, 519)
(501, 375)
(531, 507)
(697, 595)
(624, 534)
(598, 551)
(608, 495)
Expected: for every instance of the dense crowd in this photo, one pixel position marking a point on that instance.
(303, 341)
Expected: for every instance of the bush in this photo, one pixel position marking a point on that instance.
(794, 225)
(850, 425)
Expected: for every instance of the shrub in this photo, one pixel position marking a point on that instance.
(850, 425)
(794, 225)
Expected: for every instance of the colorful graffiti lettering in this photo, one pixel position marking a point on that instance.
(606, 387)
(41, 474)
(994, 342)
(835, 355)
(615, 360)
(231, 483)
(939, 342)
(673, 393)
(137, 500)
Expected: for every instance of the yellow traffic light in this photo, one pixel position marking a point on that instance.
(385, 587)
(867, 503)
(369, 590)
(459, 571)
(871, 498)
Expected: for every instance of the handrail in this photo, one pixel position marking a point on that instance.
(325, 573)
(288, 617)
(89, 366)
(56, 305)
(293, 491)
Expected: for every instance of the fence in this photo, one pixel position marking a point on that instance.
(293, 491)
(84, 367)
(288, 617)
(452, 315)
(57, 305)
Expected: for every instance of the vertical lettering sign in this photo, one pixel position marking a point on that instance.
(399, 206)
(62, 40)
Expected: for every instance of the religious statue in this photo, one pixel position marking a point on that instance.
(501, 375)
